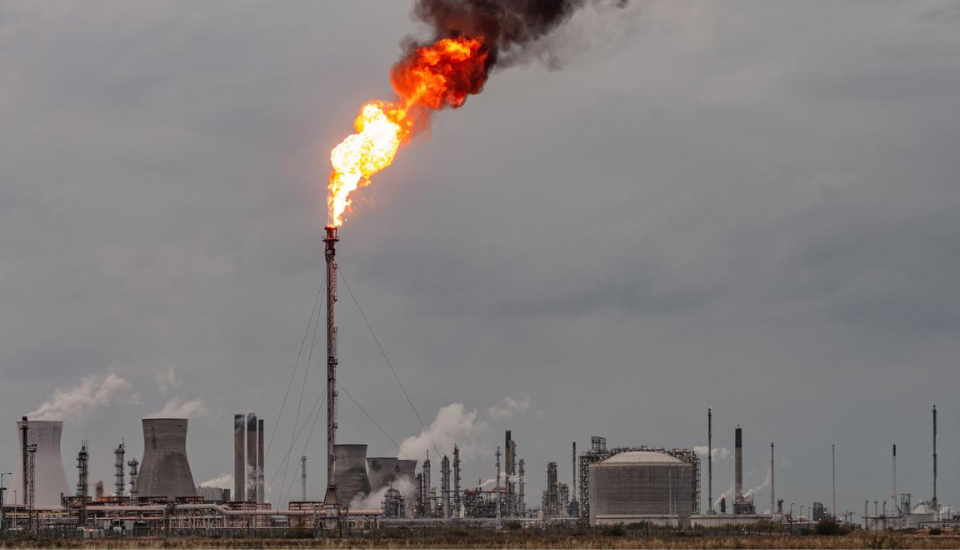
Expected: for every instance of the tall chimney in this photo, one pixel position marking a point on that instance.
(738, 459)
(833, 457)
(573, 465)
(239, 471)
(773, 485)
(710, 460)
(303, 478)
(896, 505)
(260, 480)
(425, 488)
(25, 429)
(251, 467)
(330, 252)
(934, 502)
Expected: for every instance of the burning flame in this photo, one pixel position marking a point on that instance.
(430, 78)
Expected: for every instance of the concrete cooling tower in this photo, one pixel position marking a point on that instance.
(350, 472)
(382, 472)
(164, 470)
(50, 479)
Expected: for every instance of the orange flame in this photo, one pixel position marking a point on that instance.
(432, 77)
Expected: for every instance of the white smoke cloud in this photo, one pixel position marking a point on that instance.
(222, 481)
(374, 501)
(766, 483)
(509, 407)
(167, 379)
(93, 392)
(454, 425)
(719, 453)
(180, 408)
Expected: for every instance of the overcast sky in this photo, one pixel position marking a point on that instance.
(750, 205)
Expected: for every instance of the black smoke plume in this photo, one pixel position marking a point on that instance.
(507, 27)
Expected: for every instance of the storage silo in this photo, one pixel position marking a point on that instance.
(350, 472)
(50, 478)
(165, 470)
(636, 486)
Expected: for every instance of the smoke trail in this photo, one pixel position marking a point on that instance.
(179, 408)
(374, 500)
(222, 481)
(93, 392)
(454, 425)
(507, 27)
(719, 453)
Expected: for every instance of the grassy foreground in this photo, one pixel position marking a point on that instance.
(515, 541)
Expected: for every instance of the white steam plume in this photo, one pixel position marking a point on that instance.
(168, 379)
(509, 407)
(179, 408)
(453, 425)
(93, 392)
(719, 453)
(222, 481)
(374, 501)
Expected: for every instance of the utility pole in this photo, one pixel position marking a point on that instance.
(896, 506)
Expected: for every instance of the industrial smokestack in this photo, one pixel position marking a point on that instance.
(260, 478)
(50, 479)
(710, 460)
(896, 504)
(239, 453)
(330, 500)
(934, 501)
(165, 470)
(738, 459)
(773, 485)
(833, 458)
(251, 467)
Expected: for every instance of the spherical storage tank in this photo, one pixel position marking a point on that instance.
(630, 485)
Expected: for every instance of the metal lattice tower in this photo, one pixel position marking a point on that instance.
(119, 484)
(330, 252)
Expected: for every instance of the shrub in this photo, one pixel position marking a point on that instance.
(936, 531)
(614, 530)
(828, 528)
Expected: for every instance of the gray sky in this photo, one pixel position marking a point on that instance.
(752, 205)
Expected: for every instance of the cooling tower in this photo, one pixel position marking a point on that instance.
(382, 472)
(406, 481)
(165, 471)
(49, 475)
(350, 472)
